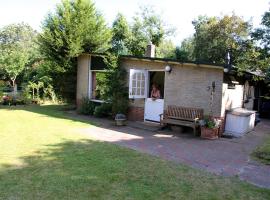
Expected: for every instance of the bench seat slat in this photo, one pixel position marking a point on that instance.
(182, 116)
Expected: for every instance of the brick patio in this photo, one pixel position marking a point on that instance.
(227, 157)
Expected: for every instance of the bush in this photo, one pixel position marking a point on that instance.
(103, 110)
(8, 100)
(87, 107)
(120, 104)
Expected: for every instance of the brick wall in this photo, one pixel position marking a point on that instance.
(136, 114)
(190, 86)
(187, 85)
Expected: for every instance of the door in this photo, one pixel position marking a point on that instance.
(154, 107)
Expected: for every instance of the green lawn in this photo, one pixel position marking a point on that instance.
(262, 153)
(42, 156)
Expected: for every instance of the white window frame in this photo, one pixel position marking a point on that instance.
(131, 86)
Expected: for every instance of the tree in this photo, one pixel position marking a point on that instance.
(120, 35)
(147, 27)
(215, 36)
(166, 49)
(75, 27)
(262, 34)
(17, 43)
(262, 37)
(185, 51)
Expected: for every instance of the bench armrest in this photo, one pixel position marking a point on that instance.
(196, 120)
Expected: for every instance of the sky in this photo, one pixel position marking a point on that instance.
(177, 13)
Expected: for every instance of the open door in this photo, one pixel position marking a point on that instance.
(154, 106)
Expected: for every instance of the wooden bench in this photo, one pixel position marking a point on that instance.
(182, 116)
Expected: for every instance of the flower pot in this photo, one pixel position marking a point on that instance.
(209, 133)
(120, 119)
(120, 122)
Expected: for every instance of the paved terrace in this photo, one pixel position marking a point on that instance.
(227, 157)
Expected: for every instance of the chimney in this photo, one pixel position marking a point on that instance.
(150, 50)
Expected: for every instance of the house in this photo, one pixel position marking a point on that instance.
(187, 84)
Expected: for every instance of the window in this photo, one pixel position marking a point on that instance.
(138, 84)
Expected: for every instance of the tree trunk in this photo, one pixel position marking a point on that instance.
(14, 86)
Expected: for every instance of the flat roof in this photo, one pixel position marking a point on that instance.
(173, 61)
(165, 60)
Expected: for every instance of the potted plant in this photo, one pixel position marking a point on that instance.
(120, 119)
(209, 128)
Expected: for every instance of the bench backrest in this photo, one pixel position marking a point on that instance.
(184, 113)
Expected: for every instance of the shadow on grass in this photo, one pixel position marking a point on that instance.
(56, 111)
(95, 170)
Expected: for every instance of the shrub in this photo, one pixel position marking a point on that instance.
(120, 104)
(87, 107)
(103, 110)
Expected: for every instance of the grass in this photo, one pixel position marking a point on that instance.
(42, 156)
(262, 152)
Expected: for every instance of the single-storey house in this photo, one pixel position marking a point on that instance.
(186, 84)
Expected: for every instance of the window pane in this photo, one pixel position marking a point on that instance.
(133, 91)
(142, 91)
(143, 77)
(134, 76)
(138, 91)
(139, 76)
(138, 84)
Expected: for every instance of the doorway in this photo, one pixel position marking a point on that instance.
(155, 107)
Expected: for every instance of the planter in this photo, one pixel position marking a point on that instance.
(209, 133)
(120, 122)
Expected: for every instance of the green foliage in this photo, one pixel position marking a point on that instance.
(262, 34)
(87, 107)
(185, 51)
(117, 91)
(262, 152)
(104, 110)
(101, 88)
(26, 94)
(75, 27)
(147, 26)
(17, 44)
(214, 36)
(262, 37)
(166, 49)
(121, 35)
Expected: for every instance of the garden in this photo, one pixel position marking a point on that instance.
(43, 156)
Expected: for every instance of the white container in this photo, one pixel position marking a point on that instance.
(239, 121)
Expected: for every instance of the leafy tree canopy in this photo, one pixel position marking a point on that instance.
(215, 36)
(166, 49)
(147, 26)
(75, 27)
(17, 44)
(185, 51)
(120, 35)
(262, 37)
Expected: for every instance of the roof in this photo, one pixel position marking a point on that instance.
(165, 60)
(174, 61)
